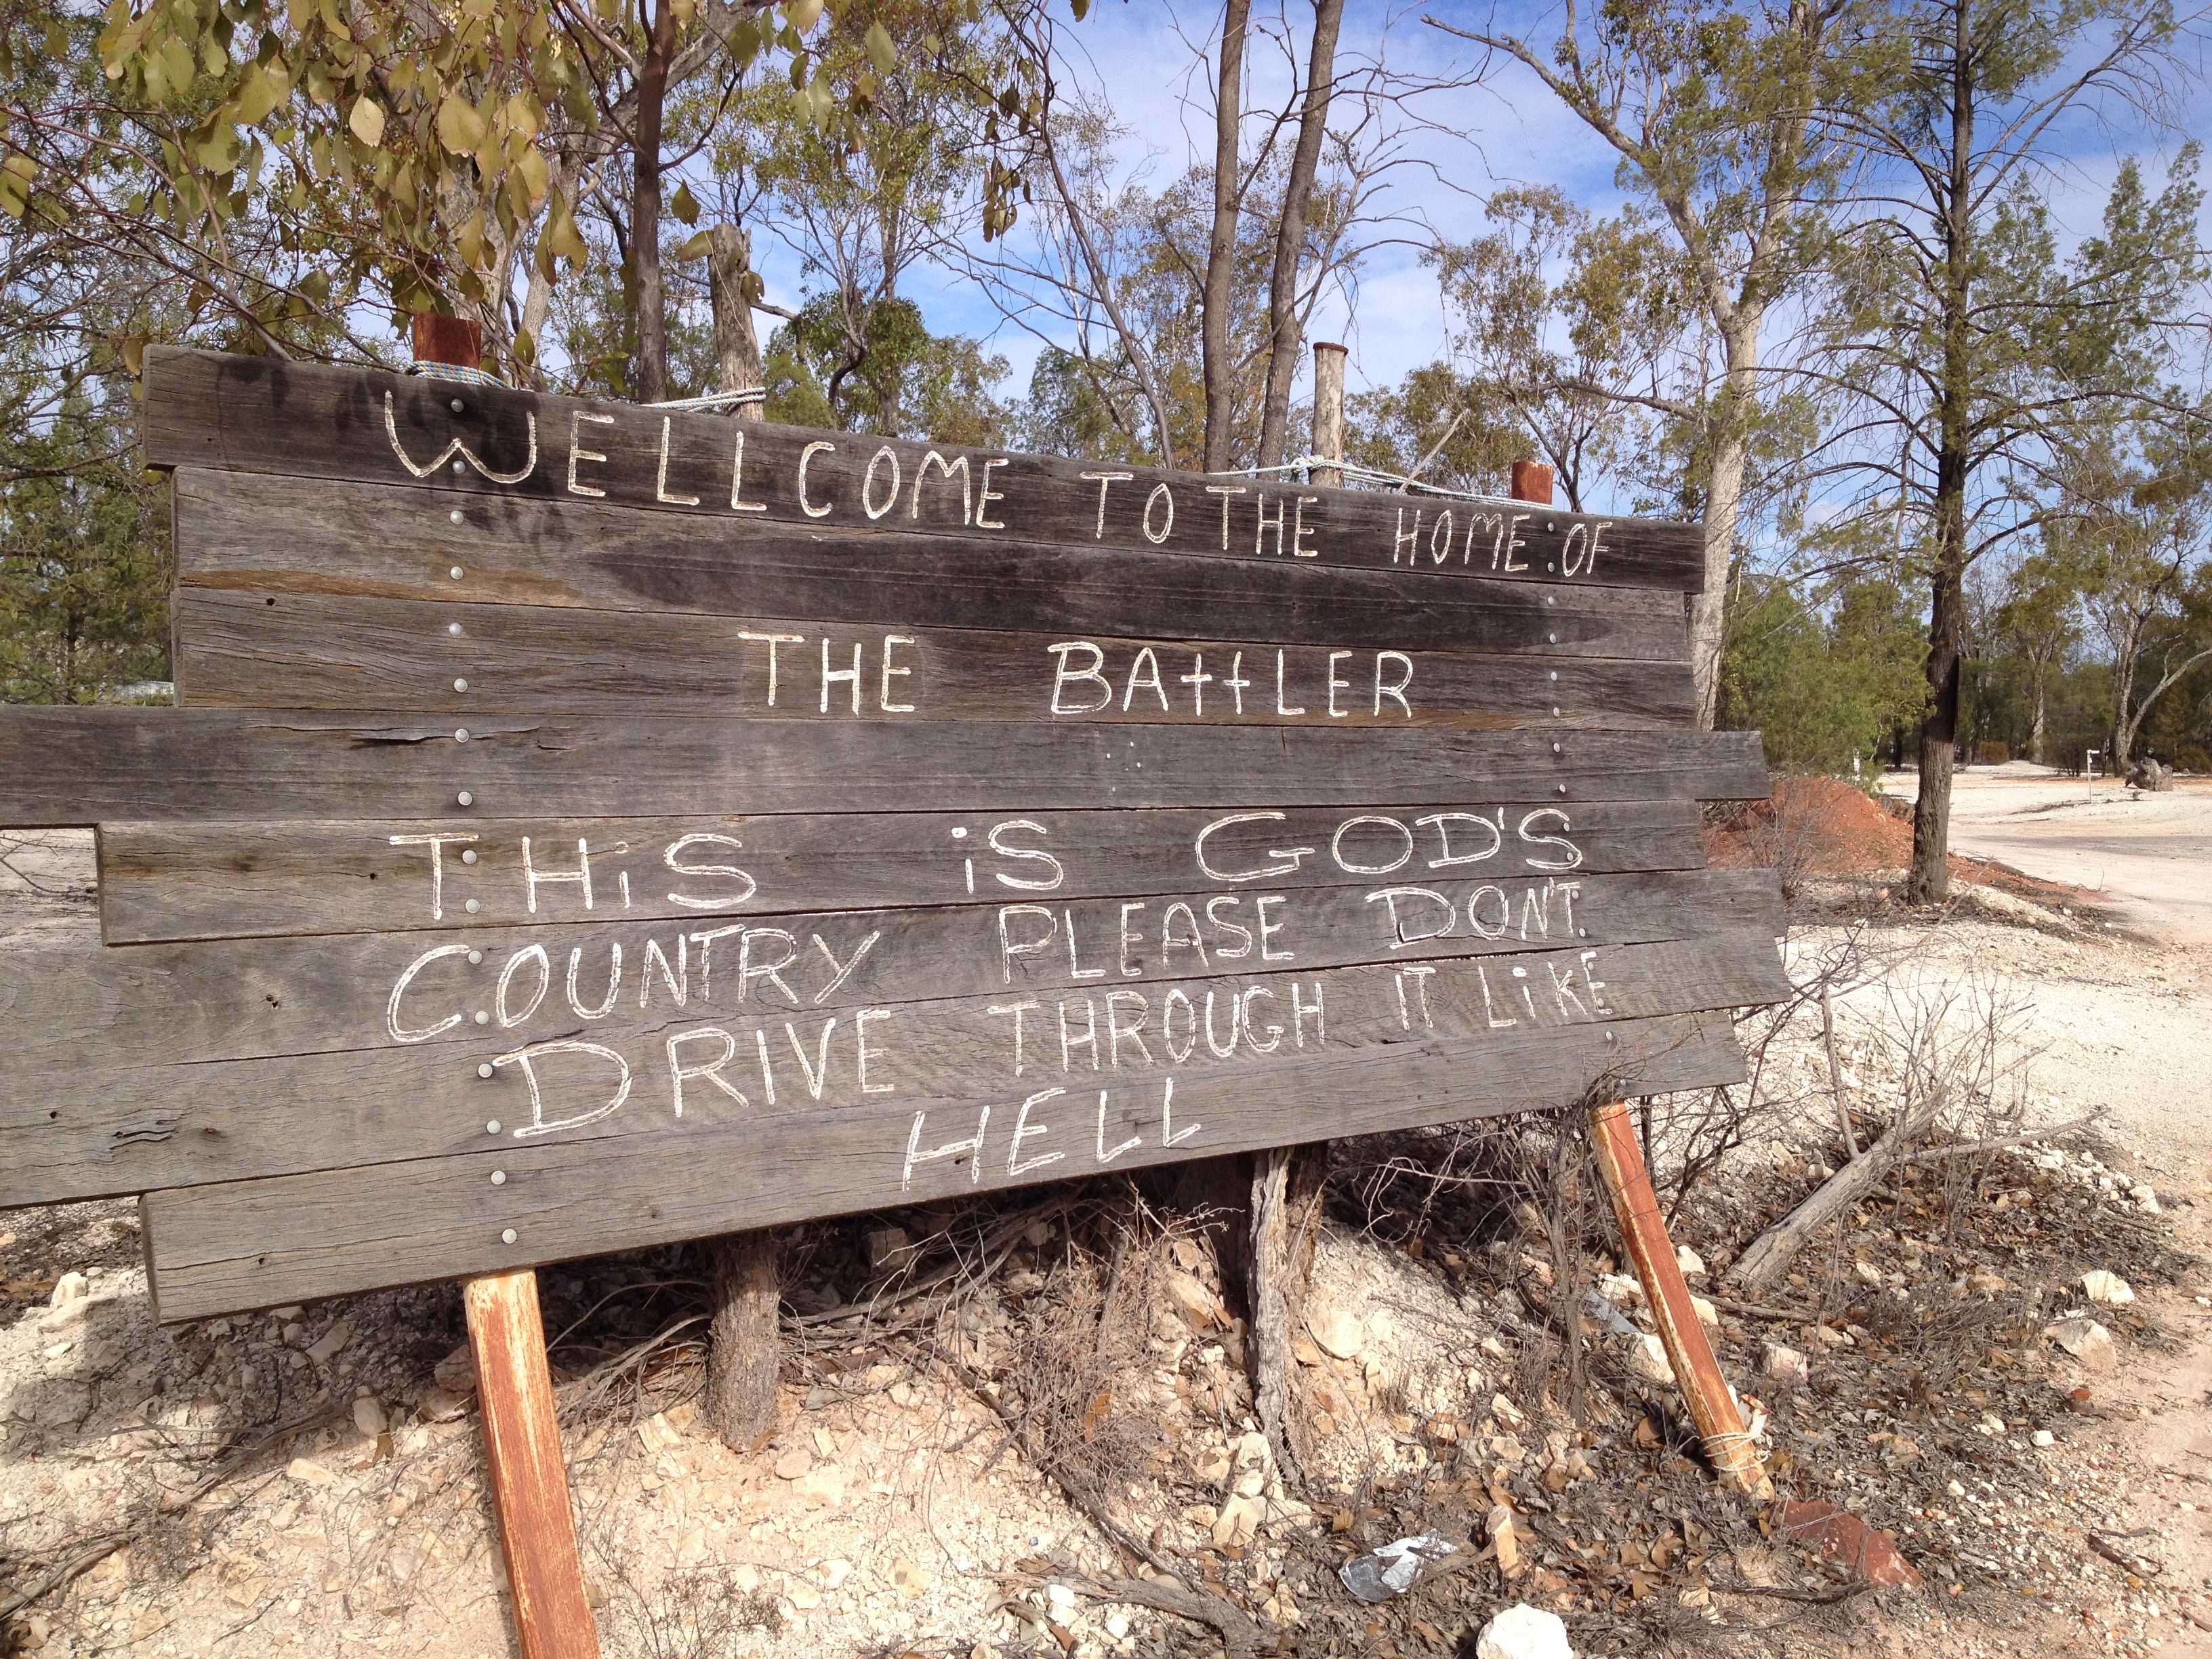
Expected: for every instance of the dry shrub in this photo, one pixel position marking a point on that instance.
(694, 1613)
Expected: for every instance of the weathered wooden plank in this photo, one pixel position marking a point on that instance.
(257, 1243)
(321, 650)
(79, 766)
(289, 535)
(260, 415)
(171, 879)
(175, 1100)
(529, 1479)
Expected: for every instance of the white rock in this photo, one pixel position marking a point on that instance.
(1620, 1289)
(1688, 1260)
(368, 1416)
(1868, 1273)
(2044, 1437)
(69, 1287)
(1524, 1633)
(2109, 1288)
(1337, 1332)
(1647, 1358)
(1788, 1364)
(1061, 1597)
(2086, 1341)
(1706, 1313)
(311, 1473)
(333, 1339)
(1117, 1625)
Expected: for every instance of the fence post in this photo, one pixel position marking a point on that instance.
(1329, 410)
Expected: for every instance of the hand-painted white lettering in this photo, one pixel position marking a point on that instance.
(1594, 986)
(1405, 543)
(1401, 931)
(772, 641)
(671, 856)
(581, 875)
(1571, 855)
(1263, 524)
(1225, 953)
(1419, 973)
(863, 1053)
(1063, 676)
(1145, 671)
(1397, 690)
(972, 1149)
(1226, 492)
(1279, 701)
(1117, 1002)
(1474, 913)
(677, 979)
(1513, 542)
(1521, 984)
(985, 495)
(1000, 845)
(1105, 1157)
(1489, 1010)
(1563, 992)
(1069, 1044)
(437, 844)
(1178, 998)
(1336, 685)
(1575, 549)
(1290, 856)
(1236, 684)
(1268, 929)
(614, 982)
(1185, 937)
(868, 484)
(679, 1073)
(1010, 947)
(768, 1072)
(1536, 908)
(1568, 892)
(527, 1058)
(1161, 496)
(842, 971)
(577, 452)
(457, 448)
(738, 474)
(405, 1034)
(1299, 531)
(660, 487)
(509, 1018)
(1245, 1021)
(1018, 1009)
(1168, 1135)
(1446, 858)
(1400, 833)
(921, 476)
(817, 1074)
(1130, 970)
(806, 459)
(839, 676)
(1300, 1008)
(1105, 481)
(622, 882)
(883, 697)
(1198, 679)
(1214, 1045)
(1075, 970)
(772, 972)
(705, 940)
(1016, 1164)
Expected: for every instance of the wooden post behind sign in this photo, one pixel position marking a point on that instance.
(515, 1383)
(1532, 481)
(1697, 1373)
(1329, 410)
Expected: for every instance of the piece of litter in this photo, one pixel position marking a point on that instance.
(1394, 1568)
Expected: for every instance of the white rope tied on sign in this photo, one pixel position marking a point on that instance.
(434, 371)
(714, 400)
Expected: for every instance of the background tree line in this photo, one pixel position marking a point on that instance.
(1947, 451)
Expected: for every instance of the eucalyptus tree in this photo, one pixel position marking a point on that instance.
(1973, 358)
(1719, 113)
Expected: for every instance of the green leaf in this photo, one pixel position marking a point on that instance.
(696, 245)
(801, 14)
(561, 239)
(683, 204)
(881, 52)
(258, 94)
(460, 129)
(15, 175)
(367, 121)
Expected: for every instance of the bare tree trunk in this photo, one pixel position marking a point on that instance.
(1724, 506)
(743, 1349)
(2035, 721)
(645, 207)
(729, 284)
(1290, 233)
(1218, 368)
(1286, 1190)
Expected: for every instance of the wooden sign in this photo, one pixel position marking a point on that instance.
(592, 826)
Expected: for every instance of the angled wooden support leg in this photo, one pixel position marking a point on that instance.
(529, 1480)
(1697, 1372)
